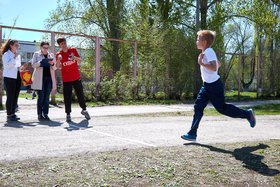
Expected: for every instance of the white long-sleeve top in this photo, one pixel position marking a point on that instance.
(11, 65)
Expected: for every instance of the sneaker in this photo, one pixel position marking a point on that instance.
(41, 117)
(68, 118)
(252, 119)
(85, 113)
(11, 118)
(189, 137)
(46, 117)
(15, 116)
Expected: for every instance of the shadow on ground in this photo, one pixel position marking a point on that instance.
(19, 124)
(78, 126)
(251, 161)
(51, 123)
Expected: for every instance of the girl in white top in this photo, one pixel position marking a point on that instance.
(11, 72)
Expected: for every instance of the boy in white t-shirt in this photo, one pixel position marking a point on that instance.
(212, 88)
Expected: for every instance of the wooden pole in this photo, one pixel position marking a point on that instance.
(239, 74)
(1, 72)
(258, 76)
(135, 60)
(53, 51)
(97, 66)
(167, 72)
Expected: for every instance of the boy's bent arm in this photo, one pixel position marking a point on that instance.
(212, 65)
(57, 64)
(78, 59)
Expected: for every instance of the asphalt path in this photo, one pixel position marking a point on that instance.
(108, 130)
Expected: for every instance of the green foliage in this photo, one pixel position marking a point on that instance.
(108, 90)
(166, 52)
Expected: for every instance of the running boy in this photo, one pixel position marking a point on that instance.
(69, 57)
(212, 88)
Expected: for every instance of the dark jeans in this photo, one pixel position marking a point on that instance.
(67, 93)
(44, 96)
(215, 93)
(12, 91)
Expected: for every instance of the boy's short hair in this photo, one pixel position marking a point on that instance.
(60, 39)
(207, 35)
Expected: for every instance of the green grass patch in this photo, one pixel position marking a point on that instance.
(267, 109)
(135, 102)
(22, 94)
(233, 95)
(191, 164)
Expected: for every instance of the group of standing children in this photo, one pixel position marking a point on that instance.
(43, 78)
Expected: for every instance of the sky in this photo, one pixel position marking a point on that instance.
(29, 14)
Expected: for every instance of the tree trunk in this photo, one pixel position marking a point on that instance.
(202, 6)
(203, 11)
(114, 18)
(167, 72)
(115, 56)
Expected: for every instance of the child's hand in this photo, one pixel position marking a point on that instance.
(24, 66)
(59, 57)
(16, 55)
(200, 57)
(72, 56)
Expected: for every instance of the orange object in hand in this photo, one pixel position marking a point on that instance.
(26, 78)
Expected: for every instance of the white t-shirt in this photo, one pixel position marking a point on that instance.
(208, 75)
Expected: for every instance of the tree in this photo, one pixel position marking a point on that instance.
(265, 16)
(91, 18)
(204, 6)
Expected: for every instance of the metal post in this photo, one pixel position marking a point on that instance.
(53, 51)
(258, 76)
(1, 73)
(97, 65)
(239, 74)
(135, 60)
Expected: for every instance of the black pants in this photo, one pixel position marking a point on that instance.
(67, 93)
(12, 91)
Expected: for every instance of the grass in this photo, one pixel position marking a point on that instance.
(267, 109)
(238, 164)
(230, 96)
(23, 95)
(244, 96)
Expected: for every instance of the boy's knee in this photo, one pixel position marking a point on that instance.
(198, 108)
(220, 109)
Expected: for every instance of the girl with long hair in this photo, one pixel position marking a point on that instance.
(11, 73)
